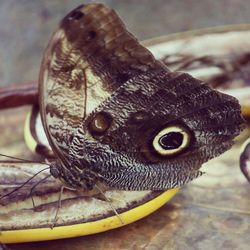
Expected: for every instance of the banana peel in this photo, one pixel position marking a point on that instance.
(81, 213)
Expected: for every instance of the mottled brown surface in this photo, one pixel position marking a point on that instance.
(211, 213)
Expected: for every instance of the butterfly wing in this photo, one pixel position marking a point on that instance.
(88, 58)
(123, 155)
(92, 66)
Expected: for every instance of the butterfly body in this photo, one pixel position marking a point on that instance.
(114, 114)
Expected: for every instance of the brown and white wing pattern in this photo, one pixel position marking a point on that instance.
(112, 113)
(89, 57)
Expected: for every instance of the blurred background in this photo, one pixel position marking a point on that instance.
(26, 25)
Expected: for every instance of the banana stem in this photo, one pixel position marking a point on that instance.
(19, 95)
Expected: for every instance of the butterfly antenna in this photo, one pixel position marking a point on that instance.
(22, 160)
(3, 196)
(110, 204)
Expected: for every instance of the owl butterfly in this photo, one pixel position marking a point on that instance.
(115, 115)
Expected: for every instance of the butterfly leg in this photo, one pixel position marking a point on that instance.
(59, 204)
(110, 204)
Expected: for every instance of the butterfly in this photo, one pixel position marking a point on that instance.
(115, 115)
